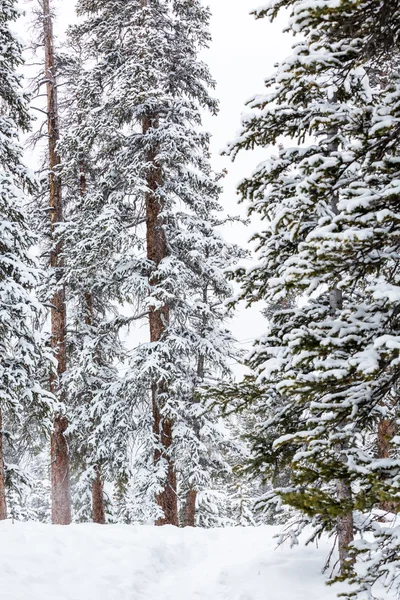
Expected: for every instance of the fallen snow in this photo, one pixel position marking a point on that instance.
(121, 562)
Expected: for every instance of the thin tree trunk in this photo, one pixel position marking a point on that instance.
(158, 321)
(98, 507)
(345, 523)
(191, 498)
(190, 509)
(167, 499)
(98, 510)
(60, 468)
(387, 429)
(3, 503)
(60, 482)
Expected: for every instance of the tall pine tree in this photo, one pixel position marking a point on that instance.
(326, 371)
(22, 400)
(100, 251)
(153, 88)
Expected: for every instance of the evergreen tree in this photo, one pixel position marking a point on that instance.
(48, 216)
(22, 401)
(326, 371)
(148, 131)
(100, 247)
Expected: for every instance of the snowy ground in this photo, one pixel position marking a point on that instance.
(119, 562)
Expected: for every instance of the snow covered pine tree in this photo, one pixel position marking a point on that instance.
(326, 373)
(54, 291)
(21, 397)
(154, 87)
(100, 248)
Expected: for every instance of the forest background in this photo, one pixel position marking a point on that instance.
(238, 70)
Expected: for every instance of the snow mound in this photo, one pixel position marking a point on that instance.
(122, 562)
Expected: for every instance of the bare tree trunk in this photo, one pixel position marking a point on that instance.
(167, 499)
(158, 321)
(98, 510)
(60, 482)
(60, 468)
(387, 429)
(345, 524)
(3, 503)
(190, 509)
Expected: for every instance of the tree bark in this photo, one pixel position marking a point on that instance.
(60, 483)
(98, 510)
(190, 509)
(3, 503)
(345, 525)
(387, 429)
(60, 468)
(158, 322)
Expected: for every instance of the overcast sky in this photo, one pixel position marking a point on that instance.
(242, 55)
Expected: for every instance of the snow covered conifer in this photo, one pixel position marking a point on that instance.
(202, 440)
(48, 216)
(21, 397)
(325, 373)
(100, 250)
(154, 87)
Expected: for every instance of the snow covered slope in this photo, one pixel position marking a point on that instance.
(120, 562)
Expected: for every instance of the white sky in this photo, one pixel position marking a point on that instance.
(242, 54)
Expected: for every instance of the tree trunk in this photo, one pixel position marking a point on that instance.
(98, 510)
(3, 503)
(190, 509)
(387, 429)
(60, 469)
(60, 483)
(167, 499)
(191, 498)
(345, 523)
(158, 321)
